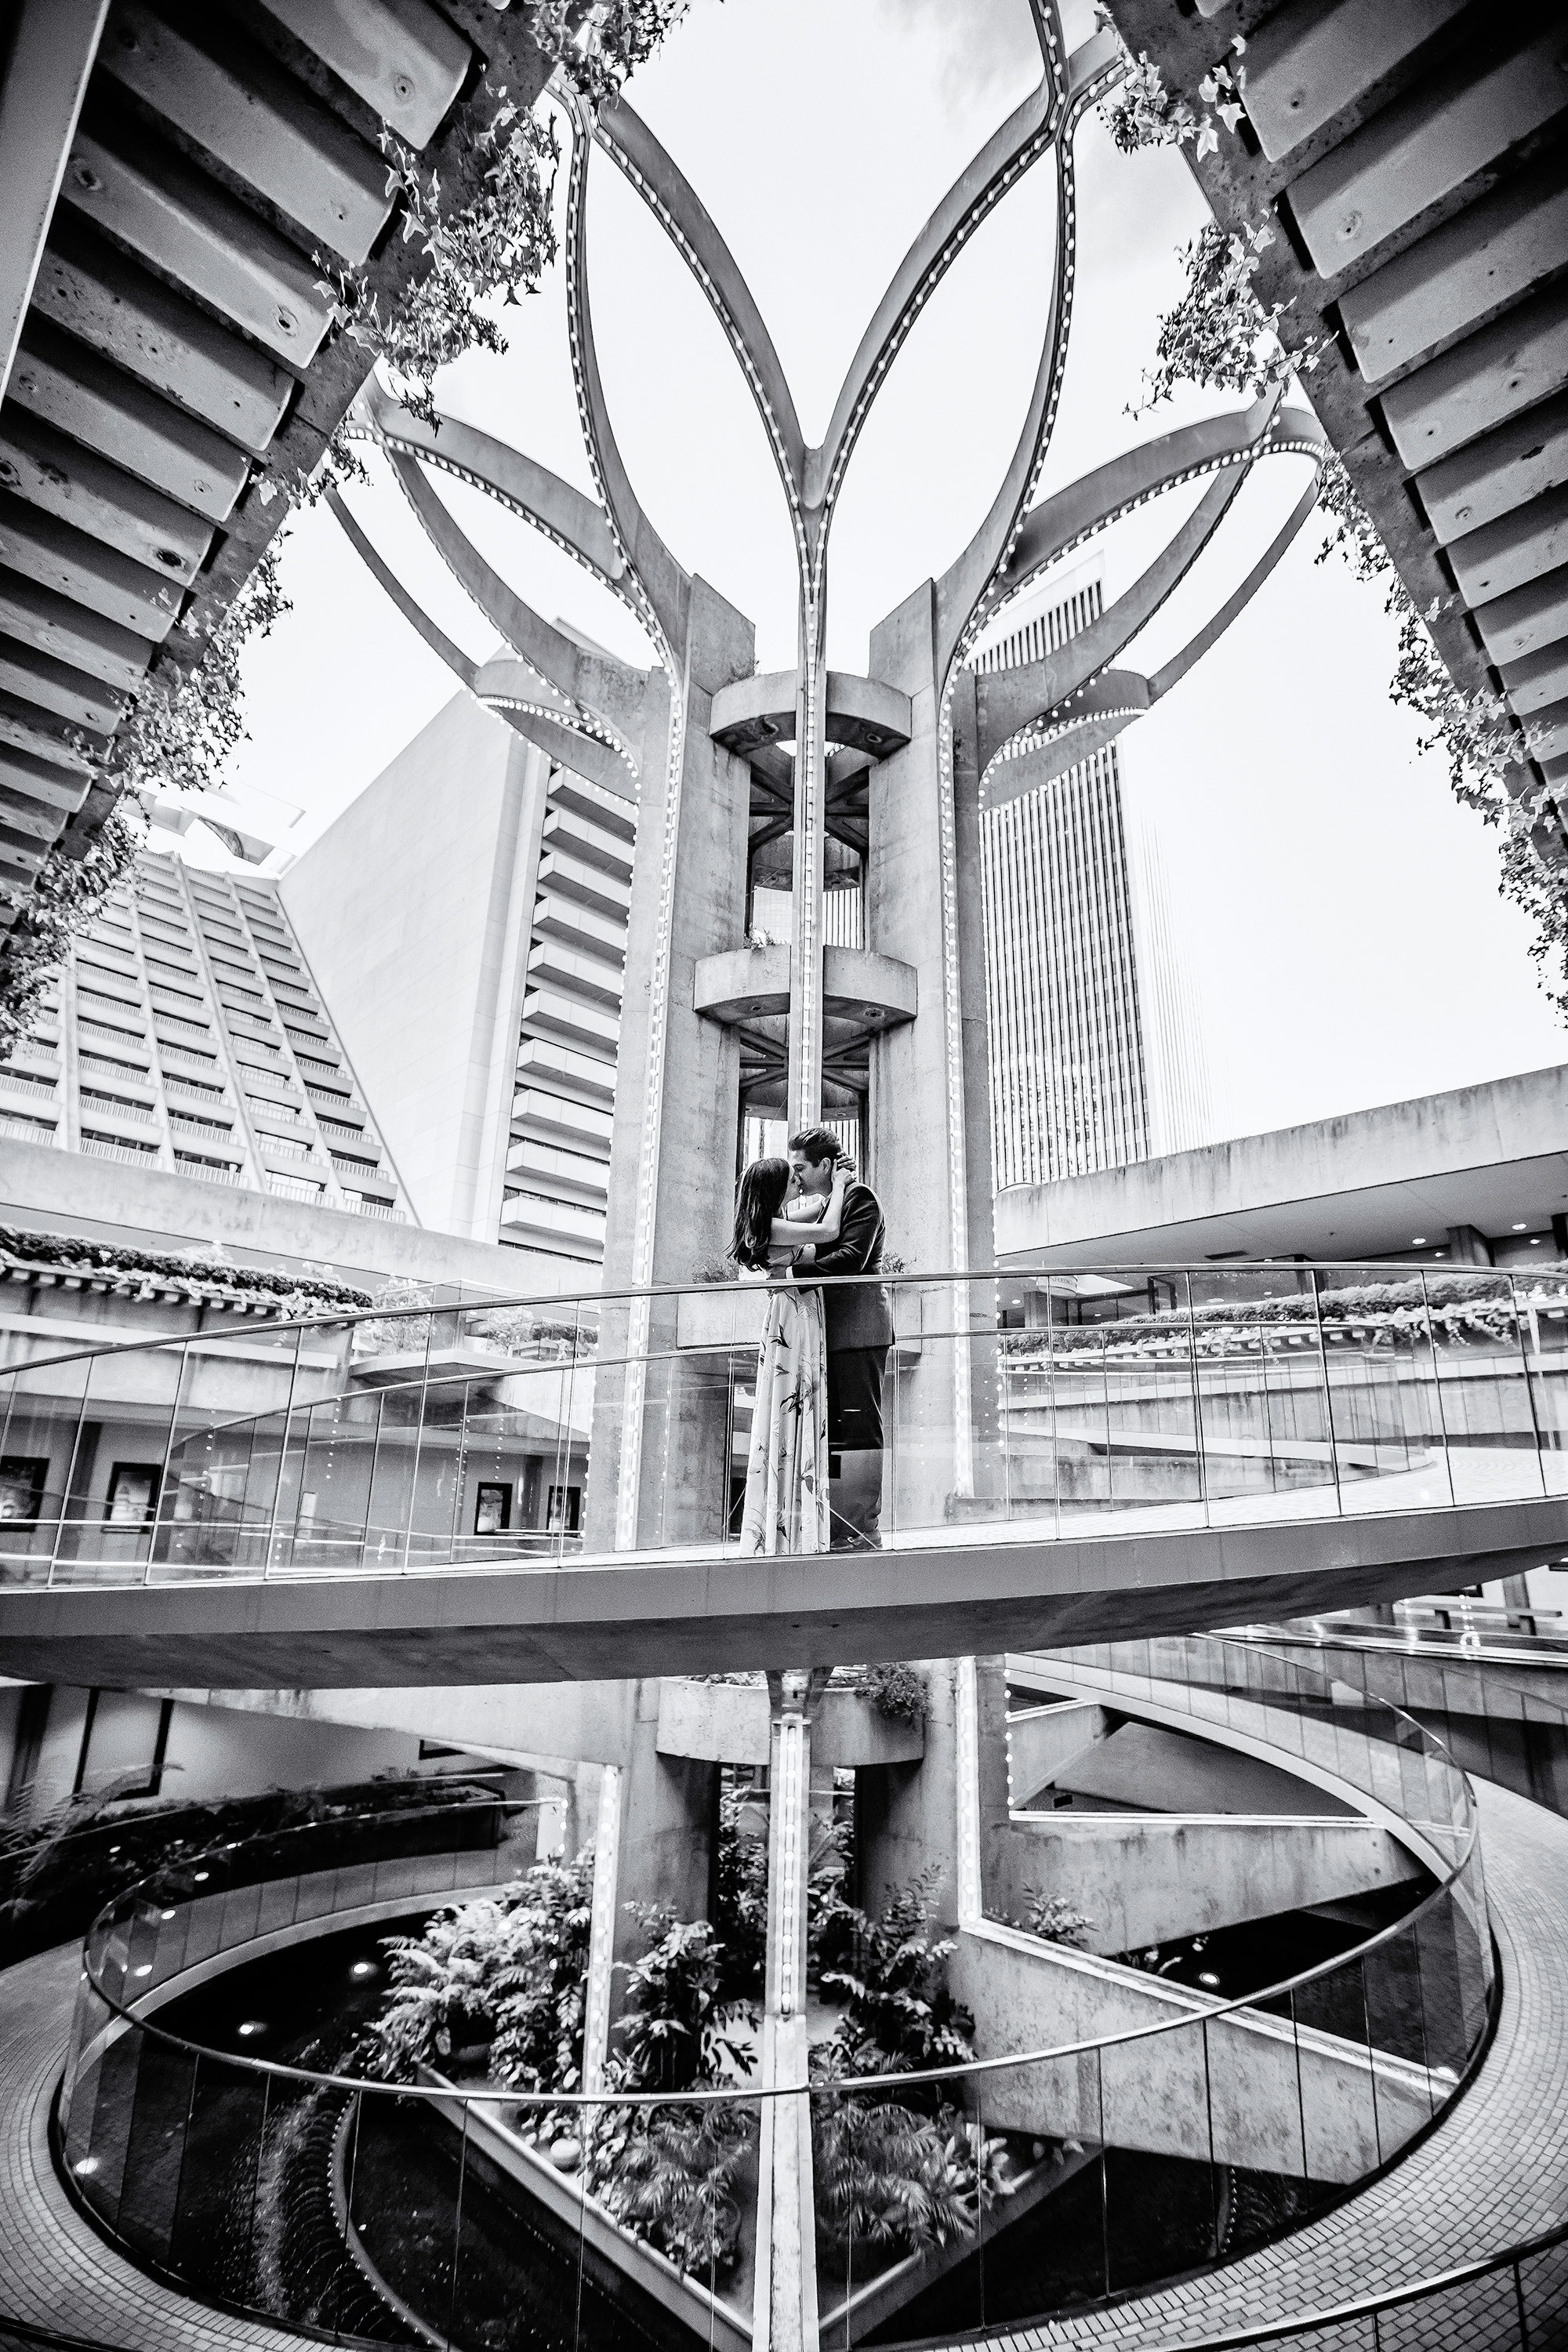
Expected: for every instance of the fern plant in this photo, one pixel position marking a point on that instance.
(675, 2031)
(899, 2015)
(894, 2176)
(507, 1968)
(668, 2174)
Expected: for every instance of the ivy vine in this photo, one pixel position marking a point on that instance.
(1220, 336)
(187, 725)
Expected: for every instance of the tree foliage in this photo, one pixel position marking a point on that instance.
(895, 2175)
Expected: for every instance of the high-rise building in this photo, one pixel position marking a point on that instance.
(1096, 1060)
(467, 914)
(185, 1032)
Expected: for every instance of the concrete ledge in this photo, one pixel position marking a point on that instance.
(750, 984)
(65, 1192)
(1485, 1156)
(680, 1613)
(727, 1723)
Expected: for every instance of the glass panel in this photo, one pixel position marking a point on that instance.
(1541, 2283)
(166, 2085)
(217, 1490)
(1485, 1394)
(1388, 1443)
(1261, 1380)
(1542, 1305)
(1391, 1982)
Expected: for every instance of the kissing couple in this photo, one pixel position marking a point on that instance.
(818, 1422)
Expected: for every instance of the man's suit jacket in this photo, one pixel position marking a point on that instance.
(856, 1314)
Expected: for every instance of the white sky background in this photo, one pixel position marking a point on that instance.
(1338, 911)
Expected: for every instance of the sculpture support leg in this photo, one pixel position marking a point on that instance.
(784, 2311)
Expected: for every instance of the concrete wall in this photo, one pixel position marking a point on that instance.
(1487, 1157)
(1265, 2094)
(210, 1751)
(1143, 1879)
(62, 1191)
(414, 911)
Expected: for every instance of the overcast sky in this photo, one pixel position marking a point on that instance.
(1337, 911)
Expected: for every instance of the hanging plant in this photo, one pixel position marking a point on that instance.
(187, 725)
(1220, 337)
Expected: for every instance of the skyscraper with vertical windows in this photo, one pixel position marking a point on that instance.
(185, 1032)
(1096, 1060)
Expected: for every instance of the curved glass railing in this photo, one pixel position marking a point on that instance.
(1185, 2129)
(1015, 1407)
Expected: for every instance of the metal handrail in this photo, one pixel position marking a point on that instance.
(746, 2094)
(950, 1278)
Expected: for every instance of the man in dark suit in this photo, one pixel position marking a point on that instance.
(859, 1333)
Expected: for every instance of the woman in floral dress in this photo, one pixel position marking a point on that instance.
(787, 1506)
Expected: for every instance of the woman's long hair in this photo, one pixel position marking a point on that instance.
(757, 1203)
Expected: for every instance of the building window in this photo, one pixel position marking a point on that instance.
(133, 1493)
(492, 1510)
(23, 1478)
(563, 1512)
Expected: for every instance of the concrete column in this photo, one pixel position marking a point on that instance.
(658, 1470)
(930, 1096)
(784, 2308)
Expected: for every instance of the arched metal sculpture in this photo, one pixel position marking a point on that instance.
(807, 1015)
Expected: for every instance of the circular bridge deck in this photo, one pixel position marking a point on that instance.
(1494, 2174)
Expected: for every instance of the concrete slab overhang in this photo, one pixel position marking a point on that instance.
(1411, 159)
(871, 992)
(1367, 1184)
(861, 713)
(674, 1613)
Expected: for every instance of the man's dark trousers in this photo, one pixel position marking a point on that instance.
(860, 1327)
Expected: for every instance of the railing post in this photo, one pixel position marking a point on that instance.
(158, 1508)
(785, 2307)
(602, 1930)
(1327, 1392)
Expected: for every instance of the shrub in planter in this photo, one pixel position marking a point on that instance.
(506, 1969)
(669, 2174)
(895, 2176)
(1053, 1918)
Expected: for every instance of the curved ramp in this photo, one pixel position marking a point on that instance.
(702, 1611)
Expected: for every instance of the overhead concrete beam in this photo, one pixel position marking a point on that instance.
(45, 80)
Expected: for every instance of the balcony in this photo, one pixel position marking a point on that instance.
(555, 1066)
(133, 1155)
(99, 1106)
(550, 1013)
(12, 1087)
(292, 1188)
(26, 1130)
(565, 1175)
(561, 875)
(206, 1171)
(575, 835)
(588, 977)
(557, 1120)
(553, 1225)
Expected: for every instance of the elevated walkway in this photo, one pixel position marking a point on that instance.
(980, 1587)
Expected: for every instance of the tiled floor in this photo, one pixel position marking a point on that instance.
(1495, 2173)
